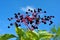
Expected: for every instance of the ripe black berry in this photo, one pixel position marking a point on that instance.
(18, 13)
(31, 11)
(44, 11)
(11, 24)
(8, 26)
(26, 12)
(28, 9)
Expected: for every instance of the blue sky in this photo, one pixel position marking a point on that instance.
(9, 7)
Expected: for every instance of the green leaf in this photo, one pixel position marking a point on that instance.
(21, 33)
(45, 34)
(56, 38)
(44, 39)
(6, 36)
(32, 35)
(58, 31)
(53, 30)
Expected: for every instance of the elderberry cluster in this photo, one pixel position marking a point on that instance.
(35, 18)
